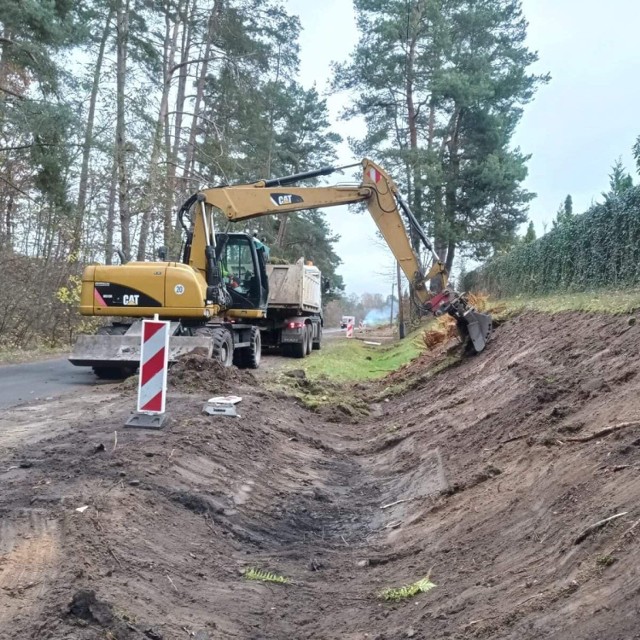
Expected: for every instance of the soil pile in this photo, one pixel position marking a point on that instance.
(497, 476)
(194, 373)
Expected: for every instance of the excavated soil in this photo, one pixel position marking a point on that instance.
(193, 373)
(487, 476)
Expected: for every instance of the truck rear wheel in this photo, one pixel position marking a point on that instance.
(249, 357)
(297, 349)
(317, 343)
(309, 337)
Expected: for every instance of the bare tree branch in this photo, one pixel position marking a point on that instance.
(17, 188)
(12, 93)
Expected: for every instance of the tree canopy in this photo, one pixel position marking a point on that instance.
(441, 85)
(113, 112)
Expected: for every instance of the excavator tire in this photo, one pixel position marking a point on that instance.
(249, 357)
(317, 344)
(113, 372)
(222, 343)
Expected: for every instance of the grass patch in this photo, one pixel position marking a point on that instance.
(352, 360)
(398, 594)
(258, 575)
(606, 561)
(327, 372)
(598, 301)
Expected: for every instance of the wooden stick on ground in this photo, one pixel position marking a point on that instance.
(598, 525)
(604, 432)
(393, 504)
(172, 583)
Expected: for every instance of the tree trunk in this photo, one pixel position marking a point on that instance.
(415, 176)
(88, 140)
(153, 189)
(189, 163)
(111, 214)
(121, 68)
(445, 195)
(4, 63)
(9, 222)
(451, 254)
(187, 17)
(451, 191)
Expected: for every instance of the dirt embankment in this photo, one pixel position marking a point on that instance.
(487, 476)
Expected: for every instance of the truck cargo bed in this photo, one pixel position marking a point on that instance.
(295, 287)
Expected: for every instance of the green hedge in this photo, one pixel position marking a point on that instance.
(596, 249)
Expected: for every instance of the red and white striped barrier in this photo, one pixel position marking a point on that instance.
(350, 330)
(152, 384)
(154, 361)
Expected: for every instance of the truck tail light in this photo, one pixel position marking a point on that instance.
(295, 325)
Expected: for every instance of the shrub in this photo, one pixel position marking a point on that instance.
(596, 249)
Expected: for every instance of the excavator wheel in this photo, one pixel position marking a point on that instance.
(113, 373)
(249, 357)
(222, 343)
(223, 347)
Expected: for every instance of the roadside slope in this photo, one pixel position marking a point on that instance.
(492, 487)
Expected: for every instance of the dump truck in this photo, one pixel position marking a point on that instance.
(294, 309)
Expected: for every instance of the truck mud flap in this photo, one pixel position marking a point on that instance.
(96, 351)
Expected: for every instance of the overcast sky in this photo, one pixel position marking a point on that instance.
(578, 125)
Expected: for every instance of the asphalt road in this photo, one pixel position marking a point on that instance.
(20, 383)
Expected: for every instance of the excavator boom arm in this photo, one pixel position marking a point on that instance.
(379, 191)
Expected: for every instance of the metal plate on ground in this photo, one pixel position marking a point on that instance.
(219, 409)
(147, 421)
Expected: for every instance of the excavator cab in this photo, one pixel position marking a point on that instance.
(242, 264)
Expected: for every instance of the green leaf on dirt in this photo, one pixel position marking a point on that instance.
(409, 591)
(259, 575)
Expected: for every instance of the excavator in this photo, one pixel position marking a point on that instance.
(219, 318)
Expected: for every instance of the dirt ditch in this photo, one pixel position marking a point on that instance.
(495, 477)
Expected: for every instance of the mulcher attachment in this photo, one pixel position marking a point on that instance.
(474, 326)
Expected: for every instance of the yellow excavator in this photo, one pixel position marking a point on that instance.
(220, 314)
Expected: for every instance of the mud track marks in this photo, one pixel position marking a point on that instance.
(29, 557)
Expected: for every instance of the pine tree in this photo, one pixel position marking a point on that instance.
(441, 86)
(530, 235)
(564, 214)
(620, 180)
